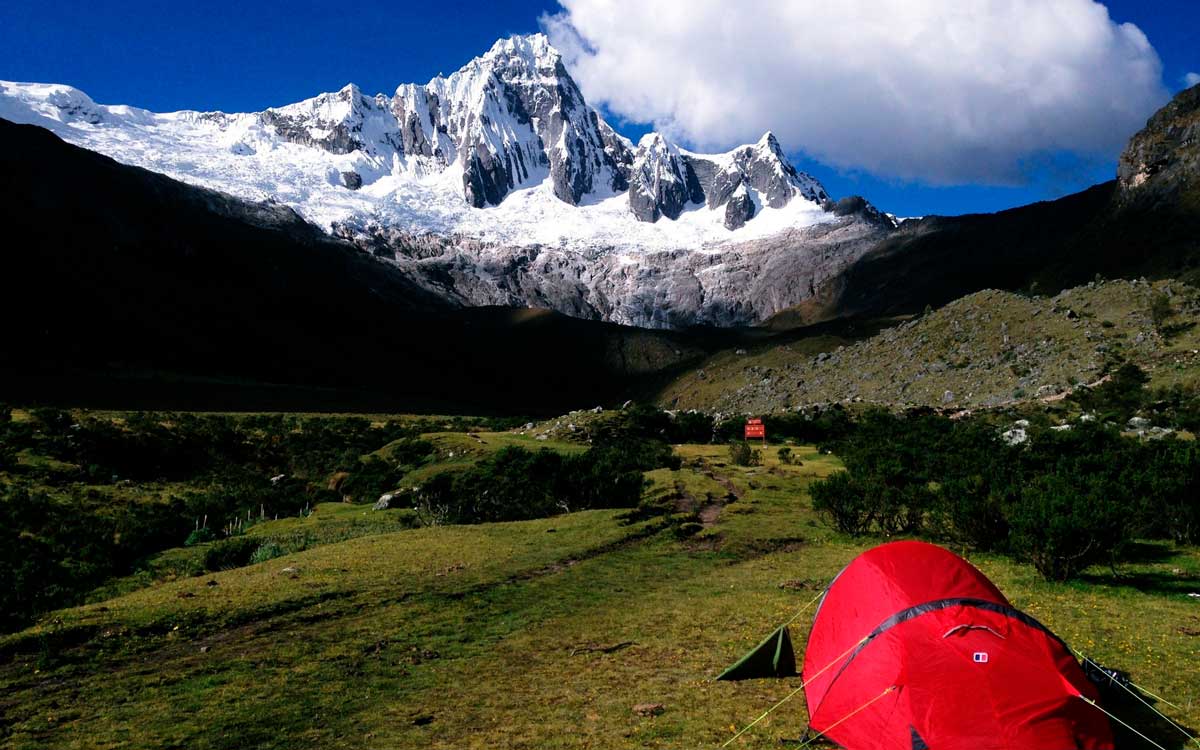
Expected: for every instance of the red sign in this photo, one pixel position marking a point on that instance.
(756, 429)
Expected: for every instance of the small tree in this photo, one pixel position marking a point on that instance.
(1064, 523)
(741, 454)
(844, 501)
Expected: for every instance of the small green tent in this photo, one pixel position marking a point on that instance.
(773, 657)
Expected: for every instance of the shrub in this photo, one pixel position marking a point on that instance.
(1169, 485)
(845, 502)
(785, 455)
(266, 551)
(1062, 523)
(742, 453)
(199, 536)
(233, 552)
(971, 511)
(692, 427)
(902, 510)
(517, 484)
(1120, 397)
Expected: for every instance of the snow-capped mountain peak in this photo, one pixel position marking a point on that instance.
(474, 153)
(498, 184)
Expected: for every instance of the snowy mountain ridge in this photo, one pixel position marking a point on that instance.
(480, 153)
(499, 185)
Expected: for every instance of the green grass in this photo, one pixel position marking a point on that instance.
(494, 635)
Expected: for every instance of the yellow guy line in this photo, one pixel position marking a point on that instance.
(797, 690)
(817, 736)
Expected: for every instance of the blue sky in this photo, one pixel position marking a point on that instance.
(247, 56)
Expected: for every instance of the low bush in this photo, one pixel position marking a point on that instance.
(266, 551)
(1065, 523)
(742, 453)
(1062, 501)
(847, 502)
(517, 484)
(233, 552)
(202, 535)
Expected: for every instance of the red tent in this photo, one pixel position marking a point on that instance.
(914, 648)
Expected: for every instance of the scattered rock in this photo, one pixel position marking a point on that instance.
(649, 709)
(1015, 436)
(383, 502)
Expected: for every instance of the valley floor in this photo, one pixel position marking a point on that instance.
(538, 634)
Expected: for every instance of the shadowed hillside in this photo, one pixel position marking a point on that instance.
(124, 287)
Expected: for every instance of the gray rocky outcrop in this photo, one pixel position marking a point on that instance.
(737, 283)
(1165, 156)
(661, 182)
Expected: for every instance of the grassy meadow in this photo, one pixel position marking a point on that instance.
(529, 634)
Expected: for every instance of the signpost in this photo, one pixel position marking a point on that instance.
(755, 429)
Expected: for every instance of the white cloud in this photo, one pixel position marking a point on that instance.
(923, 90)
(1191, 79)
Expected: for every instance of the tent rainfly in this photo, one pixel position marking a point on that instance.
(773, 657)
(913, 648)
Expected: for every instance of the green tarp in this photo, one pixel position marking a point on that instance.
(773, 657)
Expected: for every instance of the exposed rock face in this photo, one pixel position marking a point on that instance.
(1166, 154)
(352, 180)
(333, 122)
(664, 181)
(661, 182)
(740, 283)
(739, 208)
(507, 116)
(856, 205)
(761, 167)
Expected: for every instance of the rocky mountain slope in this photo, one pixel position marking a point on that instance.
(499, 185)
(984, 350)
(1147, 222)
